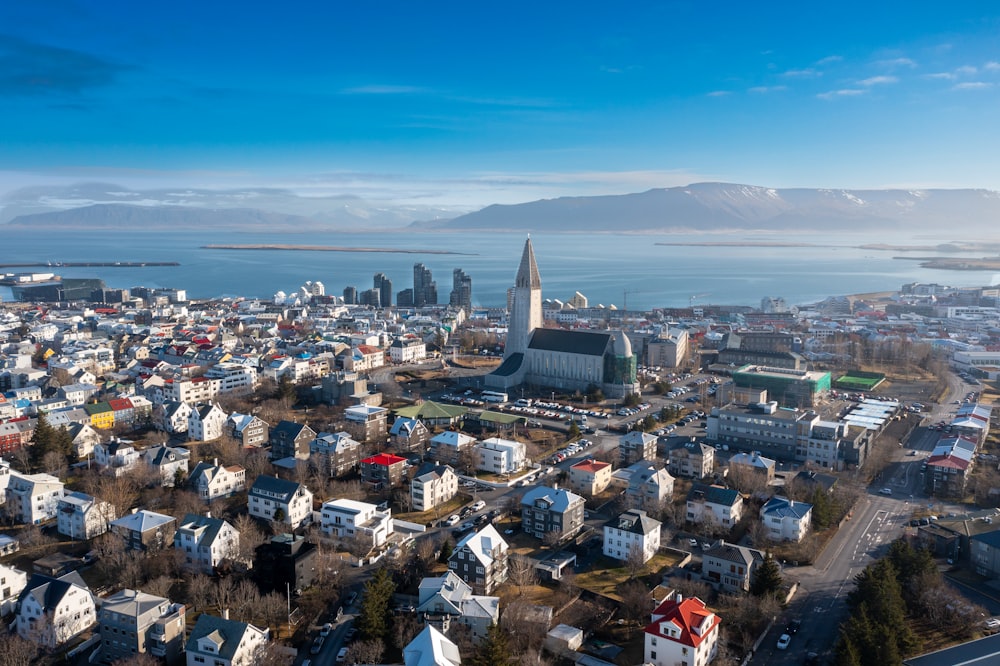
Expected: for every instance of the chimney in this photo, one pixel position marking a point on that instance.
(215, 462)
(208, 514)
(225, 613)
(678, 597)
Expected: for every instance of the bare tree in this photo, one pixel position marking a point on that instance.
(635, 561)
(141, 659)
(524, 631)
(198, 590)
(159, 586)
(552, 538)
(404, 629)
(16, 651)
(366, 652)
(251, 537)
(272, 609)
(637, 603)
(223, 593)
(54, 463)
(119, 491)
(521, 572)
(245, 600)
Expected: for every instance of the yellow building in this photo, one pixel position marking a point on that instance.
(101, 415)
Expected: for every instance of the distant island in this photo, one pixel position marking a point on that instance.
(332, 248)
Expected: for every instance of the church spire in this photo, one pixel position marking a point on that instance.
(527, 272)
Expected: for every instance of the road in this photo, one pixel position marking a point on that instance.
(877, 520)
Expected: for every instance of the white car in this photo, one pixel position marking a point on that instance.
(784, 641)
(453, 519)
(886, 491)
(479, 506)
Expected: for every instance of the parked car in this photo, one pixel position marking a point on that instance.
(317, 645)
(886, 491)
(325, 631)
(342, 655)
(452, 520)
(479, 506)
(783, 641)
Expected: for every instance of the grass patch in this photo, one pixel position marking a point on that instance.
(607, 574)
(440, 512)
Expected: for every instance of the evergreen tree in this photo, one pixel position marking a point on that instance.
(376, 609)
(494, 650)
(766, 581)
(823, 512)
(847, 652)
(446, 550)
(286, 390)
(573, 431)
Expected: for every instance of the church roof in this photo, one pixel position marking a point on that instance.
(587, 343)
(510, 365)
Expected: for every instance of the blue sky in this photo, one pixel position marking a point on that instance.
(470, 103)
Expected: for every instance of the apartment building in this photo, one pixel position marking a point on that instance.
(356, 521)
(205, 542)
(480, 559)
(432, 486)
(132, 622)
(281, 501)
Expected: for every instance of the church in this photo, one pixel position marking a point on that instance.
(558, 358)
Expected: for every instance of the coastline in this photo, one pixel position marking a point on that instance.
(333, 248)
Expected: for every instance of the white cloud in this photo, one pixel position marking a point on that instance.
(992, 66)
(718, 93)
(829, 59)
(878, 80)
(972, 85)
(806, 73)
(896, 62)
(948, 76)
(965, 69)
(375, 89)
(843, 92)
(762, 90)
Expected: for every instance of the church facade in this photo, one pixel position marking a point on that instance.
(558, 358)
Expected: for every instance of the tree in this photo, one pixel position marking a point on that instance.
(251, 536)
(572, 431)
(16, 651)
(446, 550)
(637, 603)
(493, 651)
(198, 588)
(366, 652)
(521, 572)
(766, 580)
(635, 561)
(373, 620)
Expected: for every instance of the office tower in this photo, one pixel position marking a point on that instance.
(461, 290)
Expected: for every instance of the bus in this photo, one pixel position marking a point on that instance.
(494, 396)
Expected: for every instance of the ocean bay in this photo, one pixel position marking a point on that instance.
(601, 266)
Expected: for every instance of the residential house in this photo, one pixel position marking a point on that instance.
(335, 454)
(286, 562)
(84, 437)
(949, 466)
(786, 520)
(33, 498)
(431, 648)
(206, 541)
(752, 466)
(124, 412)
(218, 641)
(101, 415)
(682, 631)
(448, 599)
(984, 553)
(730, 568)
(408, 435)
(367, 423)
(721, 506)
(281, 501)
(500, 456)
(170, 462)
(249, 429)
(407, 350)
(972, 420)
(480, 559)
(51, 611)
(206, 422)
(432, 486)
(132, 622)
(449, 447)
(693, 460)
(290, 440)
(635, 446)
(383, 471)
(360, 522)
(145, 530)
(172, 416)
(12, 581)
(363, 358)
(212, 480)
(548, 513)
(117, 456)
(82, 516)
(590, 477)
(633, 533)
(650, 487)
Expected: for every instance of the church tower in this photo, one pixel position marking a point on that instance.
(526, 311)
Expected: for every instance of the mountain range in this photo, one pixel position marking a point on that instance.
(700, 207)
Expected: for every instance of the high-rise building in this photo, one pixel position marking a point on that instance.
(350, 295)
(404, 299)
(384, 286)
(372, 297)
(424, 287)
(461, 290)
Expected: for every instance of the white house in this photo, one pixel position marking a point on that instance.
(206, 422)
(350, 519)
(431, 648)
(631, 532)
(206, 541)
(51, 611)
(170, 461)
(172, 416)
(281, 501)
(33, 498)
(82, 516)
(116, 456)
(217, 641)
(12, 581)
(432, 485)
(407, 350)
(723, 506)
(500, 456)
(682, 631)
(212, 480)
(649, 488)
(785, 519)
(446, 599)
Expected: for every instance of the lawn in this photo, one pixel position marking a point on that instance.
(439, 512)
(607, 574)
